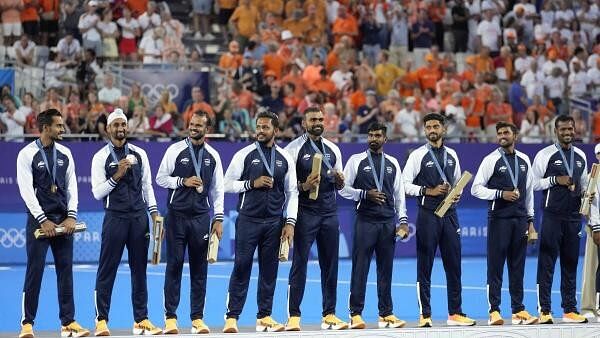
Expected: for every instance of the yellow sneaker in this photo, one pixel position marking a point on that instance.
(26, 331)
(425, 321)
(356, 322)
(332, 322)
(523, 318)
(198, 326)
(74, 330)
(495, 318)
(390, 322)
(101, 329)
(546, 318)
(293, 324)
(460, 319)
(230, 326)
(573, 317)
(171, 326)
(268, 324)
(146, 328)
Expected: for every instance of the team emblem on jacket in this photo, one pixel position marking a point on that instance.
(523, 167)
(429, 164)
(60, 162)
(255, 161)
(41, 165)
(306, 157)
(184, 161)
(279, 163)
(502, 169)
(558, 162)
(388, 170)
(450, 162)
(367, 169)
(579, 164)
(207, 162)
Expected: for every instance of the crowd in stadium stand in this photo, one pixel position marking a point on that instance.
(476, 62)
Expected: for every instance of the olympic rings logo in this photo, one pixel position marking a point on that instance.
(12, 238)
(154, 91)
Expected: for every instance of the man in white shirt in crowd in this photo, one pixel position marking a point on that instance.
(488, 30)
(24, 51)
(12, 118)
(522, 61)
(87, 27)
(455, 118)
(533, 81)
(555, 87)
(69, 47)
(342, 76)
(152, 46)
(109, 95)
(594, 76)
(578, 81)
(149, 20)
(407, 122)
(554, 62)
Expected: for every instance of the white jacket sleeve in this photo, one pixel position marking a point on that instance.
(411, 170)
(163, 176)
(529, 204)
(479, 188)
(147, 189)
(72, 191)
(25, 183)
(349, 192)
(217, 190)
(540, 164)
(101, 186)
(399, 196)
(232, 183)
(291, 192)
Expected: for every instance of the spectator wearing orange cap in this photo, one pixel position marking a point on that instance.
(554, 62)
(232, 60)
(344, 25)
(243, 21)
(429, 74)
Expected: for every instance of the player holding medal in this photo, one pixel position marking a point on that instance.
(501, 177)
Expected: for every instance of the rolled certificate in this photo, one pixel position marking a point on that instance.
(440, 211)
(157, 236)
(284, 250)
(589, 190)
(213, 248)
(316, 170)
(79, 227)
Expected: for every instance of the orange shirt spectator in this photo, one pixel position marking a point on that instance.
(344, 25)
(12, 11)
(245, 18)
(357, 99)
(316, 29)
(245, 99)
(543, 112)
(137, 7)
(596, 126)
(295, 77)
(496, 112)
(436, 11)
(290, 6)
(274, 63)
(473, 120)
(231, 60)
(332, 62)
(311, 73)
(428, 76)
(408, 83)
(30, 11)
(274, 7)
(225, 4)
(296, 26)
(320, 9)
(483, 95)
(469, 74)
(325, 85)
(50, 6)
(194, 107)
(446, 87)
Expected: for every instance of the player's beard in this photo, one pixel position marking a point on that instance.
(266, 138)
(316, 130)
(375, 146)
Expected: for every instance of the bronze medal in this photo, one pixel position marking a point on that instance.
(53, 188)
(516, 191)
(200, 188)
(572, 187)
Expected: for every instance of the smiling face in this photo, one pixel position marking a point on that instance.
(117, 130)
(55, 130)
(197, 127)
(313, 123)
(565, 131)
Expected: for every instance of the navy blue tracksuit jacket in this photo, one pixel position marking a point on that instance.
(561, 222)
(317, 220)
(126, 204)
(375, 228)
(262, 212)
(420, 172)
(507, 222)
(35, 183)
(188, 221)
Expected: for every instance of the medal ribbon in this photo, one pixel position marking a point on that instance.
(270, 168)
(513, 177)
(196, 161)
(378, 180)
(52, 173)
(437, 164)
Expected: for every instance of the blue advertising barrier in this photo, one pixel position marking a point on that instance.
(7, 77)
(472, 212)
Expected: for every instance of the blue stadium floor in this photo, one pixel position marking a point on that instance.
(405, 299)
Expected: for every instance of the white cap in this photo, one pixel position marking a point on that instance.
(286, 34)
(410, 99)
(597, 148)
(116, 114)
(92, 3)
